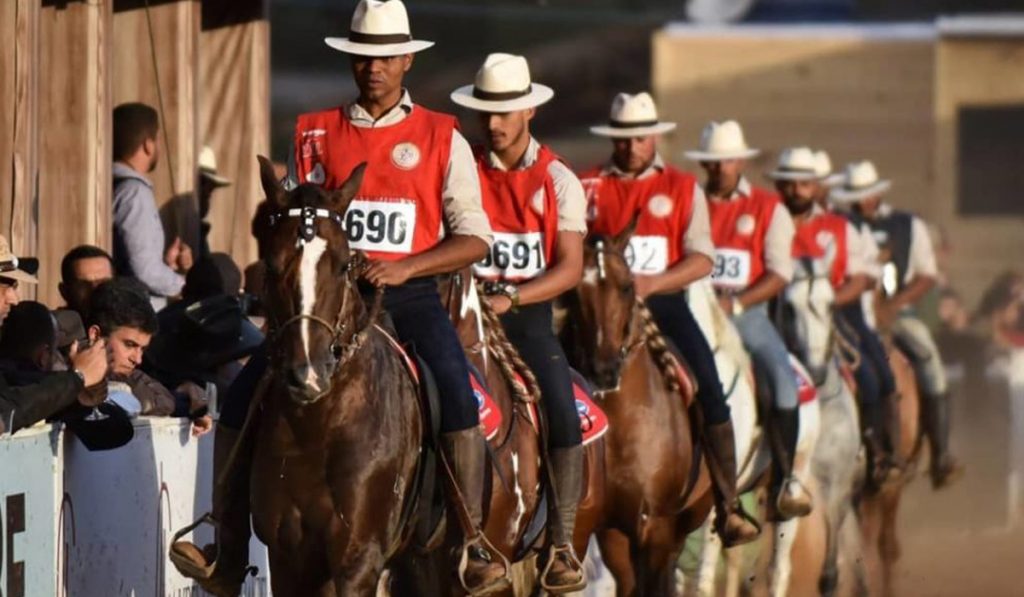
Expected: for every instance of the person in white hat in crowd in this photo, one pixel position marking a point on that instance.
(537, 209)
(671, 248)
(832, 241)
(826, 178)
(910, 271)
(417, 214)
(138, 235)
(13, 273)
(209, 181)
(753, 236)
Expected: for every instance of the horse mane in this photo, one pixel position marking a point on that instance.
(659, 349)
(521, 379)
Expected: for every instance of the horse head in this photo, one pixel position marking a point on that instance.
(602, 309)
(309, 292)
(807, 316)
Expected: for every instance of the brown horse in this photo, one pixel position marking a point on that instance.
(338, 440)
(516, 484)
(879, 510)
(657, 489)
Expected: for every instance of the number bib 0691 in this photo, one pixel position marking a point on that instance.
(732, 268)
(647, 254)
(513, 256)
(381, 225)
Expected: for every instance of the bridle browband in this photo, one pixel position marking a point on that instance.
(307, 232)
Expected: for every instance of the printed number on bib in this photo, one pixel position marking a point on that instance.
(647, 254)
(732, 268)
(513, 256)
(381, 225)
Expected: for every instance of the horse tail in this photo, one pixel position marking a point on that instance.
(659, 349)
(516, 371)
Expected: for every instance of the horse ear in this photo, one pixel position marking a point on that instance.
(620, 240)
(271, 185)
(343, 196)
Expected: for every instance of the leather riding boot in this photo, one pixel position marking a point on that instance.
(792, 499)
(220, 567)
(944, 467)
(563, 572)
(480, 571)
(879, 461)
(891, 435)
(734, 525)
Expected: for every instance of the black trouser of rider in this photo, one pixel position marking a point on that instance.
(529, 329)
(672, 314)
(875, 380)
(422, 323)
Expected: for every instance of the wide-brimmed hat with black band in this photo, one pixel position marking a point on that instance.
(379, 28)
(860, 181)
(17, 268)
(796, 163)
(633, 116)
(502, 85)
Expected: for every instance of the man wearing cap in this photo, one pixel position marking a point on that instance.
(417, 214)
(753, 237)
(536, 209)
(13, 273)
(670, 249)
(209, 181)
(832, 241)
(909, 273)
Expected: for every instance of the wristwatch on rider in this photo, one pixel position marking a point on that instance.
(507, 289)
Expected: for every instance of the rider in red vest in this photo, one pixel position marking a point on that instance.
(417, 214)
(830, 240)
(753, 236)
(536, 208)
(670, 248)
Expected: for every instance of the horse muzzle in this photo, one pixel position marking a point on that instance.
(308, 383)
(608, 374)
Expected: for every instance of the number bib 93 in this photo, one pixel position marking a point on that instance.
(513, 256)
(732, 268)
(381, 225)
(647, 254)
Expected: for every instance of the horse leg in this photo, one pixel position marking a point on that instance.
(871, 535)
(703, 582)
(833, 528)
(615, 550)
(781, 566)
(889, 543)
(656, 559)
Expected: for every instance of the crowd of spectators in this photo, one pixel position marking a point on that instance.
(145, 331)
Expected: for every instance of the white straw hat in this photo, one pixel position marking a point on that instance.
(860, 181)
(379, 28)
(722, 141)
(796, 163)
(208, 167)
(502, 85)
(11, 266)
(633, 116)
(823, 166)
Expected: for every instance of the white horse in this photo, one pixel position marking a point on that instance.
(808, 329)
(753, 455)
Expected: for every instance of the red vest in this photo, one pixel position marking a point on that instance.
(738, 229)
(663, 204)
(523, 210)
(398, 211)
(819, 235)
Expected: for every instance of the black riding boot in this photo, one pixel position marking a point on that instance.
(879, 460)
(792, 498)
(480, 571)
(564, 571)
(220, 567)
(734, 526)
(944, 467)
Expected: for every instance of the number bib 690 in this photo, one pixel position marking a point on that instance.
(381, 225)
(513, 256)
(732, 268)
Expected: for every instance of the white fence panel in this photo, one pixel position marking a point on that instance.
(30, 495)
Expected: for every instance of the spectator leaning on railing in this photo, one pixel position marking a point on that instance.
(121, 314)
(24, 405)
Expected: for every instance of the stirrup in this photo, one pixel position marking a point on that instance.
(784, 491)
(738, 509)
(187, 566)
(553, 553)
(501, 584)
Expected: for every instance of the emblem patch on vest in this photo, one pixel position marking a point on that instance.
(316, 175)
(537, 201)
(660, 206)
(745, 224)
(405, 155)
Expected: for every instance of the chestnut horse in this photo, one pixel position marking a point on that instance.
(338, 442)
(657, 489)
